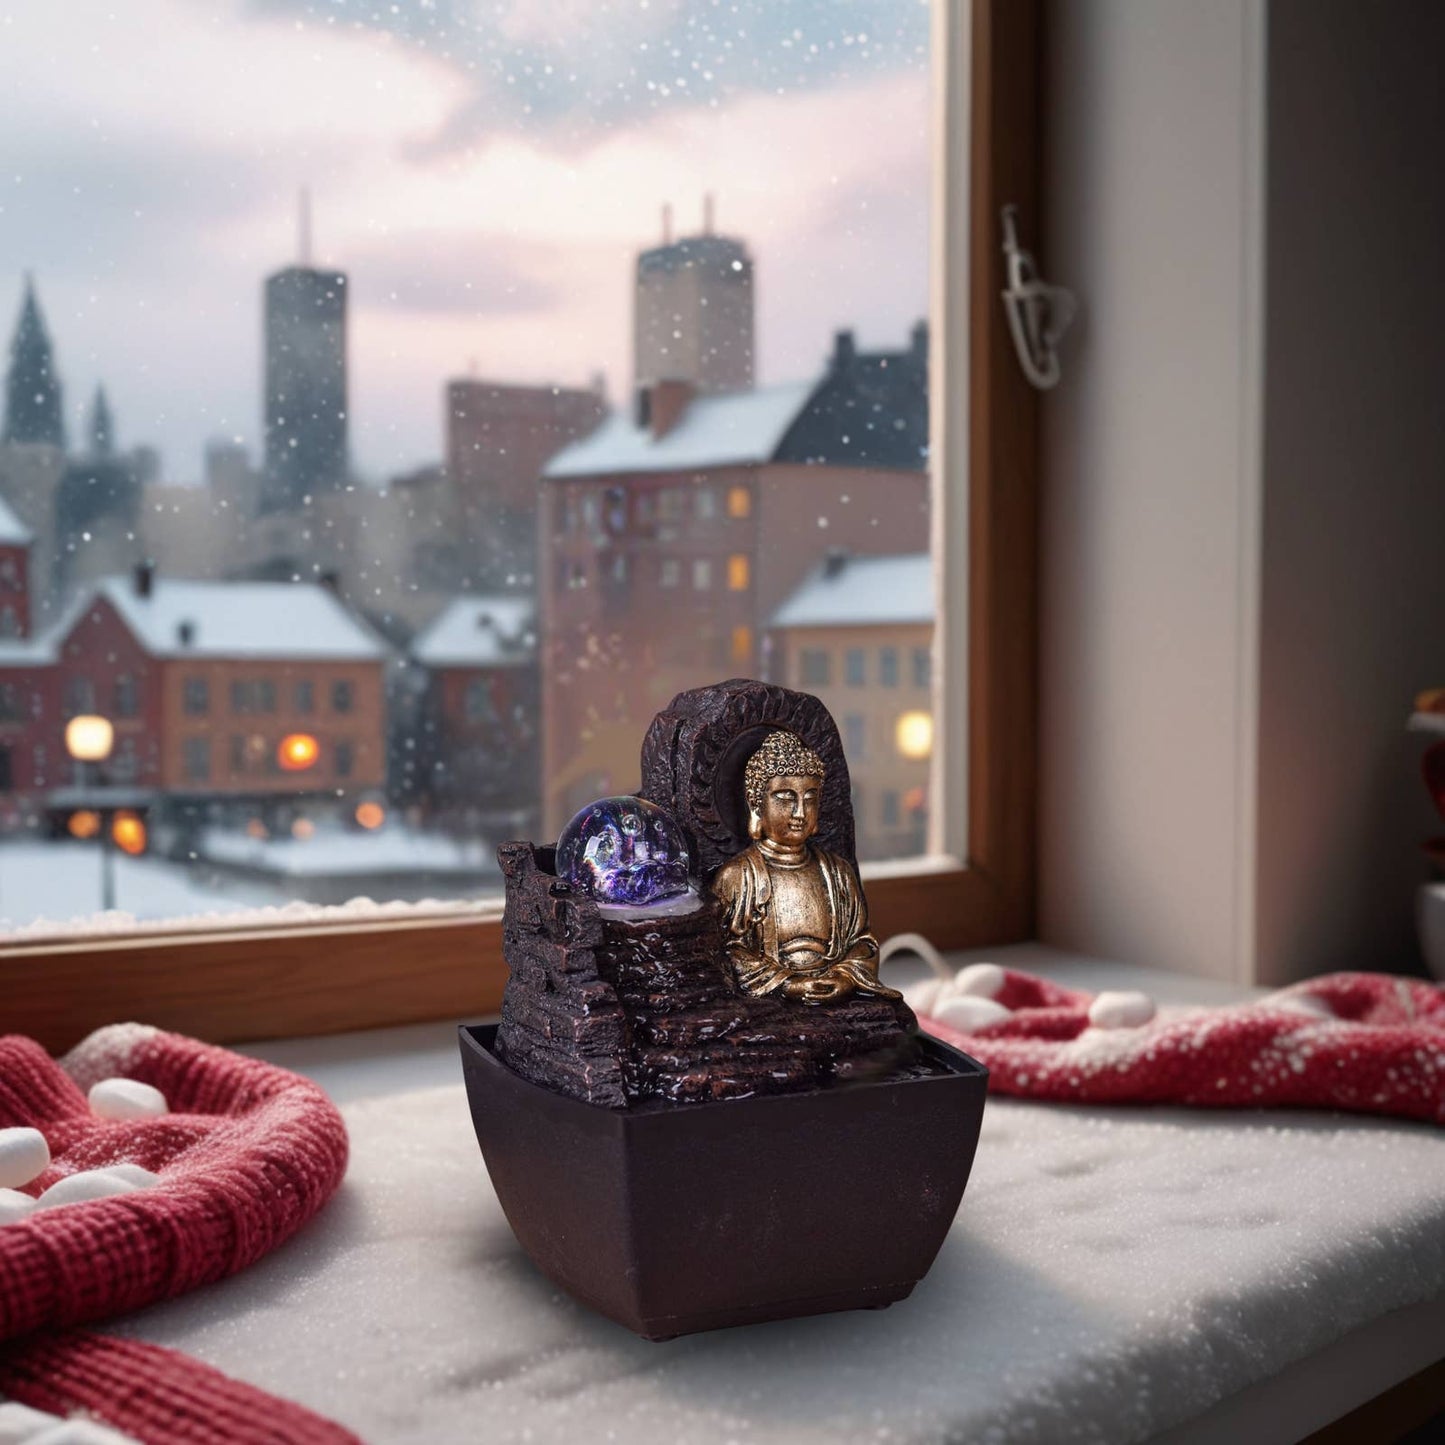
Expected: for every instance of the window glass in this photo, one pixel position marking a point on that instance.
(815, 667)
(587, 365)
(198, 759)
(127, 696)
(196, 696)
(888, 666)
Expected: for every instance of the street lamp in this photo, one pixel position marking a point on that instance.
(89, 739)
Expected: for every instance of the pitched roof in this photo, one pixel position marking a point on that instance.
(731, 428)
(13, 532)
(497, 630)
(862, 592)
(283, 620)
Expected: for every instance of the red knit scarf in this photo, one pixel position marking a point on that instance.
(246, 1156)
(1366, 1042)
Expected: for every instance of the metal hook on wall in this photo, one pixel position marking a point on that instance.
(1038, 313)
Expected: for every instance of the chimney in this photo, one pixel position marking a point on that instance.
(918, 342)
(667, 225)
(331, 581)
(668, 404)
(186, 633)
(844, 350)
(707, 213)
(145, 576)
(835, 559)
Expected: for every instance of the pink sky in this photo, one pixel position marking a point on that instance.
(150, 156)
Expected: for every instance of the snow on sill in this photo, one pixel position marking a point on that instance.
(357, 912)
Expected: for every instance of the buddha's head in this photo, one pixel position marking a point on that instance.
(783, 783)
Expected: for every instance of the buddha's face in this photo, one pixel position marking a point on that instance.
(790, 810)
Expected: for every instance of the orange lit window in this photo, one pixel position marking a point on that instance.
(740, 502)
(742, 644)
(738, 572)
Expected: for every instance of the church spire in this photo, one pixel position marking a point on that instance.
(102, 426)
(32, 389)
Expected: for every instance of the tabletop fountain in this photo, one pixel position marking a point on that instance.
(702, 1107)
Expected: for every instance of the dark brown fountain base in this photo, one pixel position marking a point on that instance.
(673, 1218)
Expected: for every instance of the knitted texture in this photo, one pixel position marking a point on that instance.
(154, 1395)
(1366, 1042)
(247, 1155)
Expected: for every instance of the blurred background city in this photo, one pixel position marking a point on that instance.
(403, 403)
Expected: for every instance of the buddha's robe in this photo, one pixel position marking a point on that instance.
(833, 941)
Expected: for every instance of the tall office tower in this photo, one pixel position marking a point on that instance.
(693, 312)
(306, 407)
(32, 389)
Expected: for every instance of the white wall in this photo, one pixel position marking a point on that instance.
(1353, 561)
(1244, 507)
(1151, 479)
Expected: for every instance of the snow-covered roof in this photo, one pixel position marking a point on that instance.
(481, 631)
(730, 429)
(28, 651)
(862, 592)
(284, 620)
(13, 532)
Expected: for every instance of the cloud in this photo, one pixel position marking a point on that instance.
(462, 274)
(159, 147)
(565, 69)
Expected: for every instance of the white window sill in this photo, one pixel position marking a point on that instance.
(1114, 1274)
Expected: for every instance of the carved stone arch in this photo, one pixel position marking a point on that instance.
(695, 751)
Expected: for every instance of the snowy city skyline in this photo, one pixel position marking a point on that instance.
(485, 175)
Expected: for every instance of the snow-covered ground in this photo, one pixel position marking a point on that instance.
(61, 881)
(52, 889)
(344, 852)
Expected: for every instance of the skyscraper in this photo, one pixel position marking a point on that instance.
(306, 407)
(32, 389)
(693, 312)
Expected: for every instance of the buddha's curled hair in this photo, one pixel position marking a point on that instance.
(782, 755)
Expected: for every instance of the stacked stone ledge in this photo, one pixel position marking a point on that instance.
(619, 1011)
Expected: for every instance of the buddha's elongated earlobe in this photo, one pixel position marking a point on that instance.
(755, 824)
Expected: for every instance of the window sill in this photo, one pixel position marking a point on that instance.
(1098, 1251)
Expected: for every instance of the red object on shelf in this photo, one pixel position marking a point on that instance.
(247, 1155)
(1433, 767)
(1367, 1042)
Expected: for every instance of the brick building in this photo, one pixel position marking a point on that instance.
(28, 702)
(858, 633)
(673, 533)
(15, 543)
(202, 681)
(499, 437)
(480, 716)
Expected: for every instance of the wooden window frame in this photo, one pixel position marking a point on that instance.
(230, 986)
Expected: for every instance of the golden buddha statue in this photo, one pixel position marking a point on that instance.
(795, 919)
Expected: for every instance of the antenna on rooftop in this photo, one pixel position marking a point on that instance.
(303, 226)
(707, 213)
(667, 225)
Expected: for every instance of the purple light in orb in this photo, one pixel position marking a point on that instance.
(623, 850)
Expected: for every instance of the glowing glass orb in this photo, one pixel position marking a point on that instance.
(84, 824)
(623, 850)
(913, 735)
(370, 815)
(128, 833)
(89, 738)
(297, 751)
